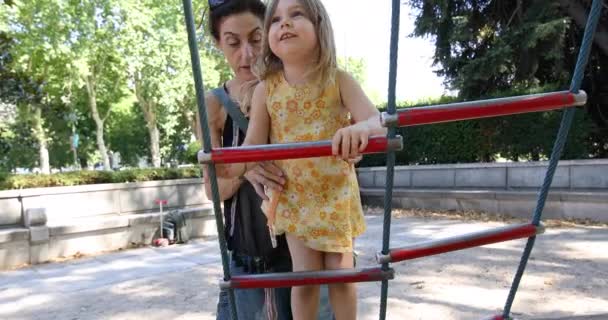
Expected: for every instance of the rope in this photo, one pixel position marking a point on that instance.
(202, 111)
(558, 147)
(390, 159)
(20, 197)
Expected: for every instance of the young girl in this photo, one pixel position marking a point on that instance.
(304, 97)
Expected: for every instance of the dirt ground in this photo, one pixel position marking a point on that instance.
(567, 277)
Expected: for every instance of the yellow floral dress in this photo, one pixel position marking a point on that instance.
(320, 203)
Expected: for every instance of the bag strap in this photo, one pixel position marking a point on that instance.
(232, 108)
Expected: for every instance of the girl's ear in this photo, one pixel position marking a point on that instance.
(216, 42)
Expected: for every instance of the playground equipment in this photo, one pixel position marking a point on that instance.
(407, 117)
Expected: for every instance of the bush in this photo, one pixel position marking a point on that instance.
(519, 137)
(8, 182)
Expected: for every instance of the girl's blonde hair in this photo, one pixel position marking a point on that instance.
(325, 68)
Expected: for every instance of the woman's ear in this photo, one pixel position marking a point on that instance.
(216, 42)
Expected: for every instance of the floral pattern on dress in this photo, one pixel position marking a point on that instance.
(320, 203)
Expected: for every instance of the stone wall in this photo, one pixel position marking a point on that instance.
(577, 175)
(579, 189)
(38, 242)
(50, 223)
(62, 204)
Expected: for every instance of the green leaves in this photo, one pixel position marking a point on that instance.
(484, 46)
(493, 48)
(95, 177)
(356, 67)
(66, 55)
(524, 137)
(159, 67)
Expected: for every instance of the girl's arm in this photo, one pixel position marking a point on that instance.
(350, 141)
(257, 132)
(216, 118)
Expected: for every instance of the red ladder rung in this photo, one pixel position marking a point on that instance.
(471, 240)
(302, 278)
(484, 108)
(297, 150)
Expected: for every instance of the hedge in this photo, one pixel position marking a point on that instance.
(10, 181)
(519, 137)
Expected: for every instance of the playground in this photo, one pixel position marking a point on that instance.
(420, 253)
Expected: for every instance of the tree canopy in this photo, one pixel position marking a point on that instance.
(116, 74)
(485, 48)
(103, 70)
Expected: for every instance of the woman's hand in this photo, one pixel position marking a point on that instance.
(265, 174)
(355, 160)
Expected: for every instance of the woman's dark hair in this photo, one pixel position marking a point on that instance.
(231, 7)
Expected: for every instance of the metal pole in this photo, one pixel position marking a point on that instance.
(202, 110)
(295, 150)
(484, 108)
(460, 242)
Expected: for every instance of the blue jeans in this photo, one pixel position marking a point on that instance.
(250, 303)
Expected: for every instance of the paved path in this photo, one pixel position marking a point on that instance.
(567, 278)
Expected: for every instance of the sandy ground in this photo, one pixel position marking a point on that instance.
(567, 278)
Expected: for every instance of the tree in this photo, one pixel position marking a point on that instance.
(97, 28)
(484, 47)
(159, 68)
(8, 84)
(127, 133)
(17, 93)
(69, 46)
(87, 58)
(578, 13)
(355, 67)
(20, 94)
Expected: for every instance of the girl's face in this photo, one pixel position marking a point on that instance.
(292, 35)
(241, 42)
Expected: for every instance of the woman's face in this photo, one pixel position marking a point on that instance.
(241, 42)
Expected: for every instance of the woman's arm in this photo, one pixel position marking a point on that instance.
(350, 141)
(216, 118)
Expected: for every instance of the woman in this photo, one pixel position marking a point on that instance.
(236, 27)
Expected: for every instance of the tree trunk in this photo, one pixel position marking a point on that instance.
(101, 146)
(578, 13)
(193, 122)
(154, 144)
(150, 117)
(147, 107)
(43, 150)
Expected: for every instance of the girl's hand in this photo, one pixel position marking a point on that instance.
(349, 142)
